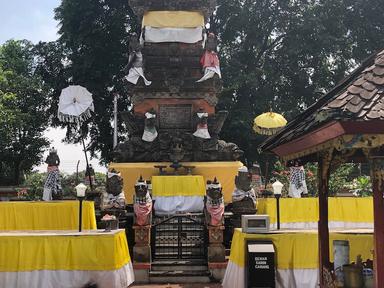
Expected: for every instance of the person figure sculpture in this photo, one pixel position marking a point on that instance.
(113, 197)
(142, 203)
(150, 132)
(202, 125)
(210, 61)
(135, 63)
(297, 184)
(214, 204)
(52, 186)
(243, 198)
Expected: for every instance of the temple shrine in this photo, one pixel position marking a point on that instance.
(177, 173)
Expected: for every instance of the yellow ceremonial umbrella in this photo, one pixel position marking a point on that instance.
(268, 123)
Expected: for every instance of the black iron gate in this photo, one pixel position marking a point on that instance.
(181, 236)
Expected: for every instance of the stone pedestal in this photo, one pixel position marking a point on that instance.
(216, 252)
(142, 253)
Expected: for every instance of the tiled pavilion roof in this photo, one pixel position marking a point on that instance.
(358, 97)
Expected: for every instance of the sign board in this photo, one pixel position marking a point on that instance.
(260, 266)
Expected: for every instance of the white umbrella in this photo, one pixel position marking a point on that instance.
(75, 104)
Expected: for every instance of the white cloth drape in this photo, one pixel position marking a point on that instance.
(293, 278)
(134, 74)
(178, 204)
(184, 35)
(120, 278)
(209, 72)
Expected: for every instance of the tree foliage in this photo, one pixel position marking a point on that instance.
(283, 55)
(23, 108)
(274, 54)
(94, 50)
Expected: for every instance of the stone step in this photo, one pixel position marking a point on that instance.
(180, 265)
(179, 276)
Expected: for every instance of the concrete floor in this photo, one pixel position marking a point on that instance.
(200, 285)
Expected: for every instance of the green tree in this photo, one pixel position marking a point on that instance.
(23, 117)
(285, 54)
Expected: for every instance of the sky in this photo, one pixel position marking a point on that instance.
(33, 20)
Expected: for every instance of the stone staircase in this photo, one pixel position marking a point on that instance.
(179, 271)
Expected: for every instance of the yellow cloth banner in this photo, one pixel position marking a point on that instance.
(178, 186)
(343, 209)
(224, 171)
(53, 215)
(101, 251)
(173, 19)
(300, 250)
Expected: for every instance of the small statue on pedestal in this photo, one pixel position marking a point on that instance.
(113, 197)
(202, 125)
(243, 198)
(297, 184)
(210, 61)
(52, 186)
(135, 62)
(150, 132)
(142, 203)
(214, 204)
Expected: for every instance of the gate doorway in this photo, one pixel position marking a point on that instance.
(179, 237)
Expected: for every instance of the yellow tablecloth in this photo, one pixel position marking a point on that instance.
(173, 19)
(63, 251)
(300, 250)
(343, 209)
(55, 215)
(189, 185)
(224, 171)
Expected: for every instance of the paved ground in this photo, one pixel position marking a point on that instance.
(200, 285)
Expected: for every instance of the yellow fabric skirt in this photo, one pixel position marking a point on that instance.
(178, 186)
(173, 19)
(53, 215)
(60, 251)
(341, 209)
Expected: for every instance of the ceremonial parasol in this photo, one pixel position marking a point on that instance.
(75, 106)
(268, 123)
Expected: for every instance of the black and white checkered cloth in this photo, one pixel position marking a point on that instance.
(297, 176)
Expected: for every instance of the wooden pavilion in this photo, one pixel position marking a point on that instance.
(345, 125)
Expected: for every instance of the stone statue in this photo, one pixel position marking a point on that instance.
(52, 186)
(297, 184)
(202, 125)
(243, 198)
(214, 204)
(210, 61)
(150, 132)
(142, 203)
(135, 62)
(113, 197)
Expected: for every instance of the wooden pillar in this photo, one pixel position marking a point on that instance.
(377, 174)
(323, 231)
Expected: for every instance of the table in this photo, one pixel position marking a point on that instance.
(53, 259)
(52, 215)
(303, 213)
(178, 194)
(297, 255)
